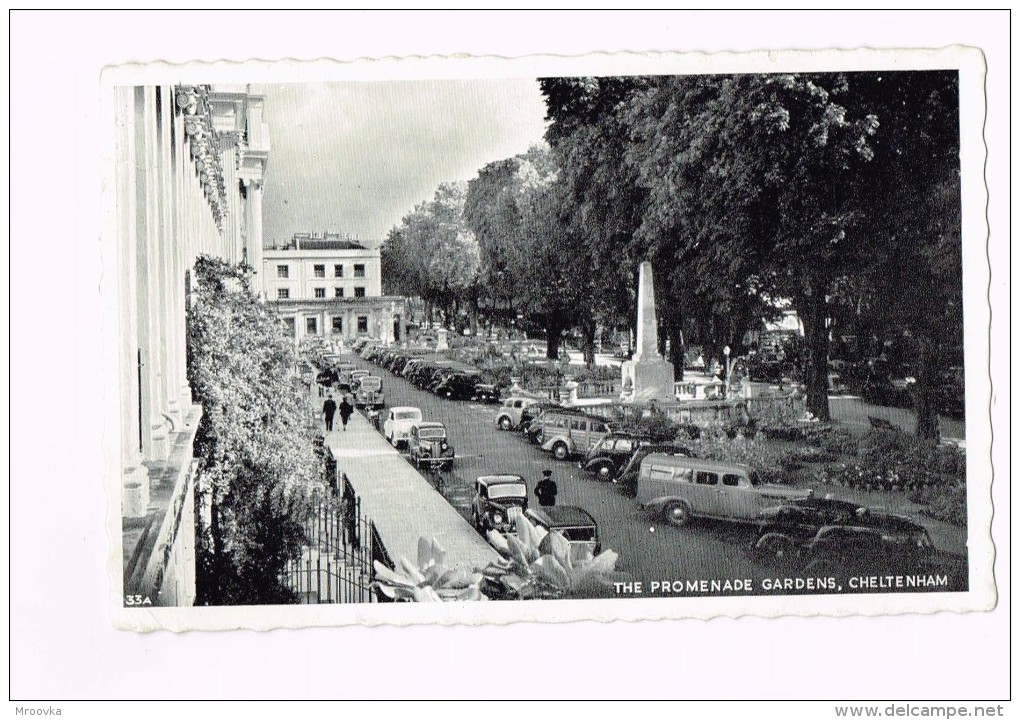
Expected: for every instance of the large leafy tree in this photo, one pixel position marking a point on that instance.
(601, 201)
(914, 282)
(754, 190)
(433, 254)
(529, 251)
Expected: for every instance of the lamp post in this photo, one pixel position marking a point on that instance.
(726, 352)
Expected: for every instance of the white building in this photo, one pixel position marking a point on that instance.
(330, 287)
(185, 179)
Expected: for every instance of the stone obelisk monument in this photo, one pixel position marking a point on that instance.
(647, 376)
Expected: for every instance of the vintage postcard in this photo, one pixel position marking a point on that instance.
(482, 340)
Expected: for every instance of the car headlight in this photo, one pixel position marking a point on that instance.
(497, 518)
(444, 446)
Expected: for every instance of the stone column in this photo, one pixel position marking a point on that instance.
(155, 445)
(172, 339)
(185, 252)
(135, 476)
(254, 231)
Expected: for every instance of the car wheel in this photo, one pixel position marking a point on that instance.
(605, 472)
(821, 567)
(561, 451)
(475, 522)
(774, 547)
(505, 423)
(449, 395)
(678, 513)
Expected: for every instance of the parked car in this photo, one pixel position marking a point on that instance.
(627, 478)
(682, 488)
(565, 433)
(369, 393)
(398, 423)
(574, 523)
(428, 445)
(343, 375)
(498, 501)
(461, 386)
(825, 535)
(528, 427)
(606, 458)
(509, 415)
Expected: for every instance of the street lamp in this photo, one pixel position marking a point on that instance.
(726, 387)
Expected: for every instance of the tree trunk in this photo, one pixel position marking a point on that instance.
(924, 401)
(816, 372)
(588, 342)
(675, 334)
(552, 339)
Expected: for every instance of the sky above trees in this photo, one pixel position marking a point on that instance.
(355, 157)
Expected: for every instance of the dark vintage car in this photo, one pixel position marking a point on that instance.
(574, 523)
(498, 501)
(369, 393)
(606, 458)
(826, 536)
(429, 446)
(461, 386)
(627, 478)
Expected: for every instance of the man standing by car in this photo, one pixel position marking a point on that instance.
(346, 410)
(546, 490)
(329, 410)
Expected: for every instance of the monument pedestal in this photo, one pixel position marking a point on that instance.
(645, 380)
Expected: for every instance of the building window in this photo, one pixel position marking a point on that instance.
(320, 292)
(359, 271)
(338, 271)
(282, 271)
(362, 323)
(359, 292)
(311, 326)
(338, 324)
(338, 292)
(282, 293)
(289, 326)
(319, 270)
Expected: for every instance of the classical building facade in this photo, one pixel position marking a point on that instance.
(187, 176)
(329, 287)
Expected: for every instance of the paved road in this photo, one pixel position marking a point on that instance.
(648, 548)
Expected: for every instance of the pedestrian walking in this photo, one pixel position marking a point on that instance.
(346, 410)
(329, 410)
(546, 490)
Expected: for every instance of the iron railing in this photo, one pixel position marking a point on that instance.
(336, 563)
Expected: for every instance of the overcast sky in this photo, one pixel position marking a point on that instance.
(355, 157)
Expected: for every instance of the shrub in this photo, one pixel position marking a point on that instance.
(260, 468)
(947, 503)
(765, 460)
(893, 460)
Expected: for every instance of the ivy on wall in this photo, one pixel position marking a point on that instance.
(261, 461)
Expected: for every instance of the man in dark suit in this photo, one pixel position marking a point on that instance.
(329, 410)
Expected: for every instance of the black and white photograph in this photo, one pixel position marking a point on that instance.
(389, 352)
(641, 336)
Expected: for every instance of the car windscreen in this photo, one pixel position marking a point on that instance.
(506, 490)
(431, 433)
(407, 416)
(578, 534)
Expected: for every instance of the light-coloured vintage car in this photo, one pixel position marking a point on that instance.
(682, 488)
(508, 417)
(398, 423)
